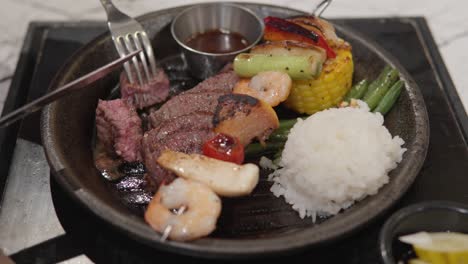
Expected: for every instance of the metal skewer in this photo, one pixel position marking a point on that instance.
(321, 7)
(168, 229)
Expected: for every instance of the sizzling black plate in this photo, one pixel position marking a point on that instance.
(259, 224)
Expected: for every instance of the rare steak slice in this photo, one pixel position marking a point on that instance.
(119, 129)
(141, 96)
(186, 141)
(184, 104)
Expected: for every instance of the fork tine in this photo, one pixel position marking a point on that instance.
(142, 57)
(148, 50)
(121, 50)
(129, 35)
(130, 48)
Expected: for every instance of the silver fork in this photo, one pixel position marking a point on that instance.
(128, 35)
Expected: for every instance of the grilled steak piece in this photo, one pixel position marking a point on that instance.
(154, 92)
(119, 129)
(187, 141)
(227, 68)
(203, 97)
(193, 121)
(224, 82)
(185, 104)
(183, 124)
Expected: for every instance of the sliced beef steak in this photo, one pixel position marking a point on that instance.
(187, 141)
(203, 97)
(224, 81)
(227, 68)
(119, 129)
(183, 124)
(185, 104)
(154, 92)
(194, 121)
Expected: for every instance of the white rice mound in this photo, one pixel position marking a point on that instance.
(334, 158)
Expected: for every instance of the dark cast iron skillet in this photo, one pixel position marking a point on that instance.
(257, 225)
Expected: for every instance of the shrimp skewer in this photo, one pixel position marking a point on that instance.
(199, 210)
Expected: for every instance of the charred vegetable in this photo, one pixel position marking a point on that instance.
(244, 117)
(281, 29)
(290, 48)
(224, 147)
(321, 27)
(298, 67)
(224, 178)
(272, 87)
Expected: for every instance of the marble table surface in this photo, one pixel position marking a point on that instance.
(447, 20)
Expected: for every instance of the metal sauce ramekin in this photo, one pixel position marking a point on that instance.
(211, 16)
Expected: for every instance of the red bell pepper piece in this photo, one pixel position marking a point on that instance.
(280, 29)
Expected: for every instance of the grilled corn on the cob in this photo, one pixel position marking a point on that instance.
(328, 90)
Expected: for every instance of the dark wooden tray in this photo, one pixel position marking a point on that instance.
(24, 175)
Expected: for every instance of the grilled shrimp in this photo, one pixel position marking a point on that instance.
(198, 220)
(272, 87)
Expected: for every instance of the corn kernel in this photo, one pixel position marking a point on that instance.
(327, 90)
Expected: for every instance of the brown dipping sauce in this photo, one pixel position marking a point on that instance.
(217, 41)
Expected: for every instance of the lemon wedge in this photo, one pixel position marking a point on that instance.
(439, 248)
(417, 261)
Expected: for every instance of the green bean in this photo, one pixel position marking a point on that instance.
(277, 156)
(257, 149)
(281, 133)
(275, 142)
(287, 123)
(358, 91)
(375, 96)
(390, 98)
(279, 136)
(373, 85)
